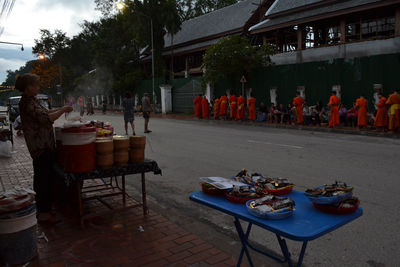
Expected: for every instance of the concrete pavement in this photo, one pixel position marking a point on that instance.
(187, 150)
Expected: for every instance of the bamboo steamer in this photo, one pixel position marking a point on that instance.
(121, 158)
(138, 144)
(121, 143)
(104, 146)
(105, 161)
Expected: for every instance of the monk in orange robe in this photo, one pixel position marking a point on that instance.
(240, 110)
(381, 118)
(205, 108)
(334, 103)
(233, 103)
(251, 104)
(216, 108)
(362, 117)
(197, 106)
(298, 103)
(394, 111)
(223, 106)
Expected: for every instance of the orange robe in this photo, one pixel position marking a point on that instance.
(223, 105)
(205, 108)
(233, 102)
(240, 112)
(394, 119)
(362, 118)
(334, 119)
(197, 106)
(251, 104)
(216, 108)
(381, 119)
(298, 103)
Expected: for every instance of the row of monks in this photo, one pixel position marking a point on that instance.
(237, 109)
(236, 105)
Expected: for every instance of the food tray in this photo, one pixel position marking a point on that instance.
(238, 200)
(269, 215)
(333, 209)
(328, 200)
(281, 191)
(212, 190)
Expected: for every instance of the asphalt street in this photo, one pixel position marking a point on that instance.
(187, 150)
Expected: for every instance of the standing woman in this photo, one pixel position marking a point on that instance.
(37, 123)
(128, 105)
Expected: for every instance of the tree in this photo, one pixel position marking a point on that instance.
(50, 43)
(233, 56)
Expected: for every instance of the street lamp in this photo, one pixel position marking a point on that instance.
(120, 6)
(41, 57)
(22, 46)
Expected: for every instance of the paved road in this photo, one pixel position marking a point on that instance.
(186, 150)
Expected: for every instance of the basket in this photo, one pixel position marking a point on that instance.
(269, 215)
(238, 200)
(333, 209)
(281, 191)
(212, 190)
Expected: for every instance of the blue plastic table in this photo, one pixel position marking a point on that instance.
(306, 223)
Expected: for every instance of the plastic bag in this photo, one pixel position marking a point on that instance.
(6, 149)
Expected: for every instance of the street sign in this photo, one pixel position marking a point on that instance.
(243, 80)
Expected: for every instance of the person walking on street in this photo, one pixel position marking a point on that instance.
(334, 118)
(37, 123)
(223, 107)
(394, 102)
(128, 106)
(298, 103)
(381, 118)
(233, 104)
(251, 105)
(104, 107)
(81, 106)
(205, 108)
(240, 108)
(197, 106)
(362, 117)
(217, 103)
(147, 108)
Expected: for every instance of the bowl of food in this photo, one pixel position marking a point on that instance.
(242, 194)
(271, 207)
(329, 194)
(211, 190)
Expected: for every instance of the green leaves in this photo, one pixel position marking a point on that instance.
(233, 56)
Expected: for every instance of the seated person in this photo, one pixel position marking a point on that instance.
(343, 114)
(307, 114)
(283, 113)
(262, 113)
(271, 113)
(352, 116)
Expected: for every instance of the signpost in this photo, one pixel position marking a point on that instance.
(243, 81)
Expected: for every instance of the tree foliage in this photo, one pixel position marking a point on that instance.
(233, 56)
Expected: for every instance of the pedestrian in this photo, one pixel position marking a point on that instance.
(223, 107)
(37, 123)
(233, 105)
(298, 103)
(128, 104)
(205, 108)
(334, 118)
(240, 110)
(381, 118)
(362, 117)
(394, 118)
(81, 106)
(197, 106)
(251, 105)
(216, 108)
(147, 108)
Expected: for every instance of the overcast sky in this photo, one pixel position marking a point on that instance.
(28, 16)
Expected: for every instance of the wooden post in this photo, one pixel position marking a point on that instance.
(342, 31)
(186, 67)
(299, 38)
(397, 23)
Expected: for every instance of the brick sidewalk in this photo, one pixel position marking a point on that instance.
(111, 240)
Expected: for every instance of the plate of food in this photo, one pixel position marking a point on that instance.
(271, 207)
(275, 186)
(330, 194)
(212, 190)
(247, 178)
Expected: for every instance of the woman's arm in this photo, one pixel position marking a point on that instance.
(54, 115)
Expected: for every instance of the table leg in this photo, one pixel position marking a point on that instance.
(284, 248)
(303, 250)
(243, 238)
(144, 201)
(123, 191)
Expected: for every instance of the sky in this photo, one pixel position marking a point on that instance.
(29, 16)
